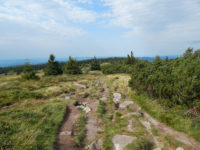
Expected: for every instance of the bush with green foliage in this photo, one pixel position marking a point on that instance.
(28, 73)
(53, 67)
(177, 80)
(95, 65)
(71, 67)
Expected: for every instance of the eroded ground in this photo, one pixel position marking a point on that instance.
(114, 120)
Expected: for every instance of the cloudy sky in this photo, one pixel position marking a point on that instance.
(36, 28)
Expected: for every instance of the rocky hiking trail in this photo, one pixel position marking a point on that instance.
(136, 118)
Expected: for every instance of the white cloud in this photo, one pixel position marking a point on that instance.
(55, 16)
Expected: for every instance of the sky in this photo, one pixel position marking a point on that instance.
(85, 28)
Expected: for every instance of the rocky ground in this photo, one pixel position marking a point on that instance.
(123, 126)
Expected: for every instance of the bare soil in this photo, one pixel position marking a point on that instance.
(65, 141)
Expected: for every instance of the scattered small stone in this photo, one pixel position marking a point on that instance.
(117, 97)
(69, 133)
(180, 148)
(121, 141)
(84, 108)
(125, 104)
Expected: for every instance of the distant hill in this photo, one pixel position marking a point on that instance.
(17, 62)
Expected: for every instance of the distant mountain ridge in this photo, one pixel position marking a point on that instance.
(16, 62)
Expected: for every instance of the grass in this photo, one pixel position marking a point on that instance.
(171, 116)
(80, 130)
(11, 96)
(140, 144)
(32, 126)
(101, 110)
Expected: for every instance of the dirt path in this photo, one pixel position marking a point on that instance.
(65, 139)
(165, 130)
(93, 126)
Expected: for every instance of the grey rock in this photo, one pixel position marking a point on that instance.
(69, 133)
(125, 104)
(131, 114)
(67, 97)
(117, 98)
(180, 148)
(121, 141)
(80, 85)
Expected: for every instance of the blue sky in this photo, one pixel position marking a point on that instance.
(84, 28)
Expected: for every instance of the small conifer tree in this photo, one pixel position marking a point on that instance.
(53, 67)
(71, 67)
(130, 59)
(95, 65)
(28, 73)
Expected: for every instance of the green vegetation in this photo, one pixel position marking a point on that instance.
(71, 67)
(130, 59)
(75, 103)
(31, 126)
(53, 67)
(176, 80)
(171, 116)
(140, 144)
(95, 65)
(80, 130)
(11, 96)
(28, 73)
(101, 110)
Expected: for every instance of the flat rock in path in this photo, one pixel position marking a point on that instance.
(121, 141)
(117, 98)
(80, 85)
(66, 133)
(131, 114)
(125, 104)
(180, 148)
(67, 97)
